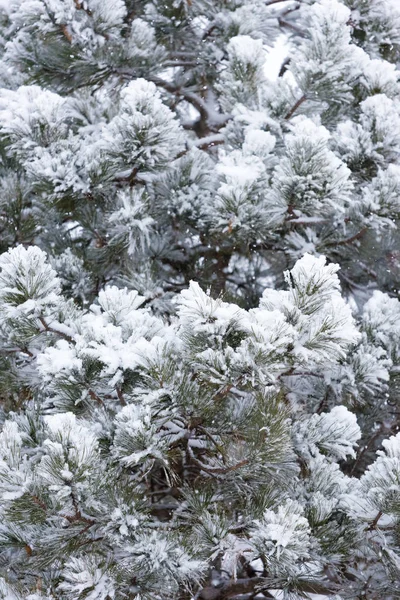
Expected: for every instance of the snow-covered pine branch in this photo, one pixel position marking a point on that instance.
(199, 306)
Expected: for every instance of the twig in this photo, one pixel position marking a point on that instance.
(209, 141)
(120, 396)
(91, 540)
(181, 54)
(216, 119)
(222, 393)
(203, 143)
(79, 6)
(271, 2)
(39, 502)
(367, 446)
(191, 97)
(94, 396)
(288, 25)
(284, 67)
(16, 351)
(350, 282)
(63, 26)
(66, 33)
(47, 327)
(353, 238)
(375, 521)
(295, 106)
(181, 63)
(230, 589)
(209, 30)
(306, 374)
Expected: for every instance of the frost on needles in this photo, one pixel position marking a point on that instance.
(199, 306)
(154, 450)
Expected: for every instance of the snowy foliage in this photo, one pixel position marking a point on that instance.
(199, 299)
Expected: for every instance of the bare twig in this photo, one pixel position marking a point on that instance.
(181, 63)
(120, 396)
(367, 446)
(375, 522)
(47, 327)
(295, 106)
(210, 29)
(271, 2)
(292, 27)
(209, 141)
(66, 33)
(239, 587)
(284, 67)
(349, 240)
(206, 114)
(191, 97)
(95, 397)
(79, 6)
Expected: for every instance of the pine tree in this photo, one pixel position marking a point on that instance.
(199, 305)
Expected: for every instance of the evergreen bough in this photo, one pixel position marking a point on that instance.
(199, 311)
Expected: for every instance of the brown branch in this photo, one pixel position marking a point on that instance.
(63, 26)
(90, 541)
(191, 97)
(28, 352)
(241, 587)
(367, 446)
(210, 143)
(306, 374)
(78, 517)
(284, 67)
(230, 588)
(221, 394)
(295, 106)
(375, 522)
(203, 143)
(16, 351)
(74, 500)
(39, 502)
(271, 2)
(349, 240)
(66, 33)
(210, 29)
(120, 396)
(181, 63)
(351, 283)
(292, 27)
(131, 179)
(79, 6)
(47, 327)
(95, 397)
(181, 54)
